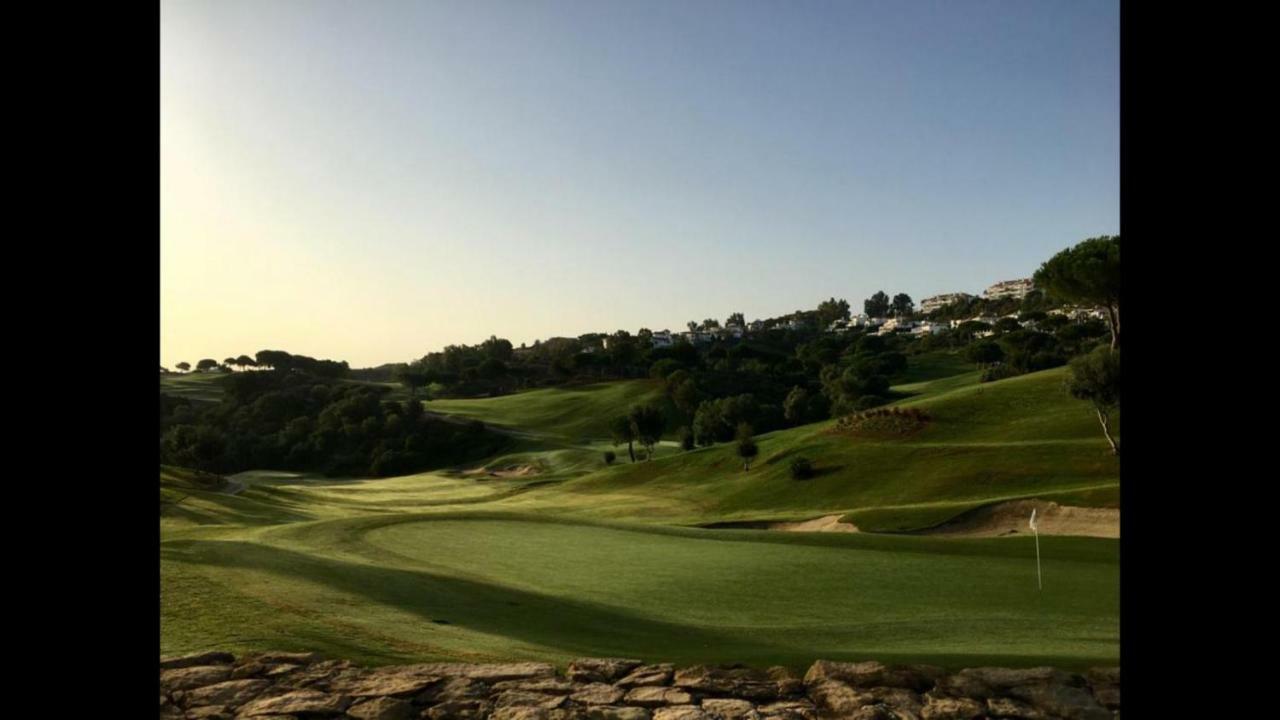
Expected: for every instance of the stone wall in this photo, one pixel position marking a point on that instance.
(303, 685)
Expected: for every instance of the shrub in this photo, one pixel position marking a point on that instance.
(609, 457)
(801, 468)
(999, 372)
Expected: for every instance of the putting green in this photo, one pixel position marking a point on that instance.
(496, 585)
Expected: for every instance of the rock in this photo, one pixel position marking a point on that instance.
(873, 674)
(647, 675)
(519, 713)
(318, 676)
(836, 697)
(492, 673)
(1052, 691)
(385, 683)
(458, 709)
(598, 694)
(250, 669)
(1105, 684)
(789, 710)
(600, 670)
(951, 708)
(383, 708)
(1009, 708)
(186, 678)
(873, 712)
(207, 658)
(518, 698)
(902, 701)
(551, 686)
(729, 709)
(231, 692)
(788, 682)
(680, 712)
(309, 702)
(209, 712)
(985, 682)
(1063, 701)
(649, 696)
(454, 689)
(292, 658)
(736, 682)
(614, 713)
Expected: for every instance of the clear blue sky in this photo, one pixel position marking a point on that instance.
(372, 181)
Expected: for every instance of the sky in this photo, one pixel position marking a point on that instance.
(372, 181)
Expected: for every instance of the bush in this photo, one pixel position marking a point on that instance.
(801, 468)
(999, 372)
(609, 457)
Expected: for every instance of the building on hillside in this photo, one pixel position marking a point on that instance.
(662, 338)
(1009, 288)
(930, 328)
(756, 325)
(895, 324)
(937, 302)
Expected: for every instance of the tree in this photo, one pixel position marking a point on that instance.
(245, 361)
(710, 323)
(707, 422)
(801, 468)
(746, 446)
(1088, 273)
(692, 325)
(832, 310)
(796, 407)
(609, 457)
(622, 432)
(206, 364)
(648, 422)
(1096, 377)
(736, 319)
(686, 437)
(229, 361)
(877, 305)
(984, 353)
(413, 377)
(183, 366)
(902, 305)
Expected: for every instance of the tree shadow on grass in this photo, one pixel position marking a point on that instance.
(570, 625)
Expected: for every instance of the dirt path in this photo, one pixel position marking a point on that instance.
(1010, 518)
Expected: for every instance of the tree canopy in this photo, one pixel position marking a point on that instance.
(1087, 274)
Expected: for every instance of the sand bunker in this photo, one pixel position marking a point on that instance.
(512, 471)
(1010, 518)
(826, 523)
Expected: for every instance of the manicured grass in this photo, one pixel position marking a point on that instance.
(577, 413)
(404, 587)
(194, 386)
(1014, 438)
(584, 559)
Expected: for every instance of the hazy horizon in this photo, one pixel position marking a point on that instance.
(373, 182)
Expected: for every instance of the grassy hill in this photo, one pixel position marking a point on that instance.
(574, 558)
(1016, 438)
(195, 386)
(577, 413)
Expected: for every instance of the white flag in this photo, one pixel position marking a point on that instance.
(1033, 519)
